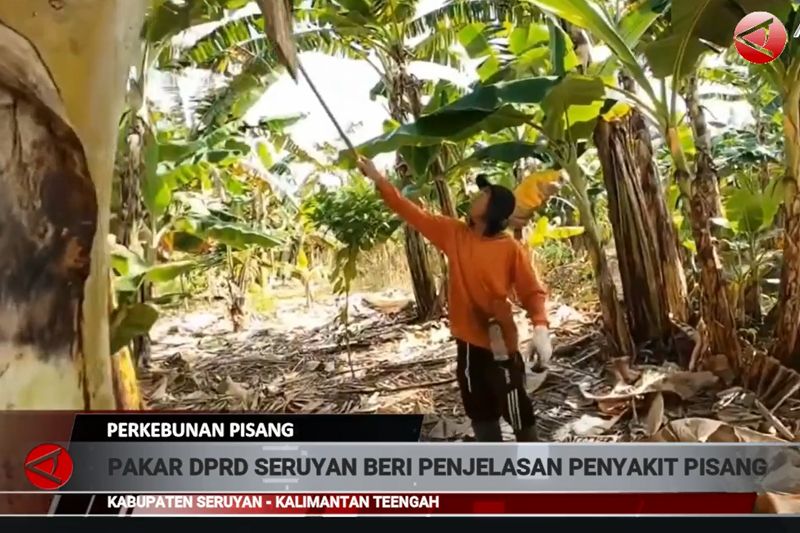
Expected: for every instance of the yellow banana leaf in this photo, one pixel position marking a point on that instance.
(618, 111)
(126, 384)
(536, 188)
(544, 231)
(531, 193)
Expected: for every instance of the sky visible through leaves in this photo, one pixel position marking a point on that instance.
(345, 85)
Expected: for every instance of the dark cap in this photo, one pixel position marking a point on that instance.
(501, 200)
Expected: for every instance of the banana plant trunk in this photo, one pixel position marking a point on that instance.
(127, 211)
(448, 208)
(615, 325)
(128, 214)
(428, 305)
(446, 204)
(405, 103)
(62, 72)
(653, 280)
(63, 67)
(787, 346)
(717, 311)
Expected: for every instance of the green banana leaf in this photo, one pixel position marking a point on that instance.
(507, 152)
(486, 109)
(588, 15)
(573, 106)
(239, 236)
(699, 26)
(130, 321)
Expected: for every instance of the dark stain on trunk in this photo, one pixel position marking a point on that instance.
(48, 209)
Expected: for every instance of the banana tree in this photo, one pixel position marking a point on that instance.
(637, 201)
(644, 234)
(748, 161)
(62, 74)
(784, 74)
(567, 107)
(244, 79)
(209, 191)
(164, 20)
(71, 117)
(636, 198)
(389, 36)
(696, 28)
(572, 109)
(748, 231)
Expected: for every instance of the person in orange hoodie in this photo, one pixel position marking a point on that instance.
(486, 266)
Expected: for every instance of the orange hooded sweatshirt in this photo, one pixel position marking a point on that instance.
(483, 273)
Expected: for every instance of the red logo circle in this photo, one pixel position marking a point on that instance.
(48, 466)
(760, 37)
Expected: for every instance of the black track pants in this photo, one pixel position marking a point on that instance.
(484, 390)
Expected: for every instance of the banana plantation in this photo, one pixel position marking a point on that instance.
(173, 238)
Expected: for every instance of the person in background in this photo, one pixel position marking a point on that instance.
(486, 266)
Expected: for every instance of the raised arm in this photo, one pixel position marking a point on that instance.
(436, 228)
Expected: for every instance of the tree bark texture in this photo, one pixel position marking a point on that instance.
(428, 305)
(615, 325)
(128, 211)
(63, 66)
(717, 311)
(446, 204)
(715, 305)
(787, 346)
(404, 102)
(652, 276)
(62, 72)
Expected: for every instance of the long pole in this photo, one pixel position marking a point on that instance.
(328, 111)
(319, 97)
(278, 27)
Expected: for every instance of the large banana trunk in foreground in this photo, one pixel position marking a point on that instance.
(787, 347)
(62, 72)
(653, 281)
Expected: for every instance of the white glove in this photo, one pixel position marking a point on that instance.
(542, 346)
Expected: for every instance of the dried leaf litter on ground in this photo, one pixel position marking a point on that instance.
(296, 362)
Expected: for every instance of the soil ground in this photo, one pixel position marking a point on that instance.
(295, 360)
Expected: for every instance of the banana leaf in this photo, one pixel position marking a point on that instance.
(700, 26)
(130, 321)
(508, 152)
(488, 108)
